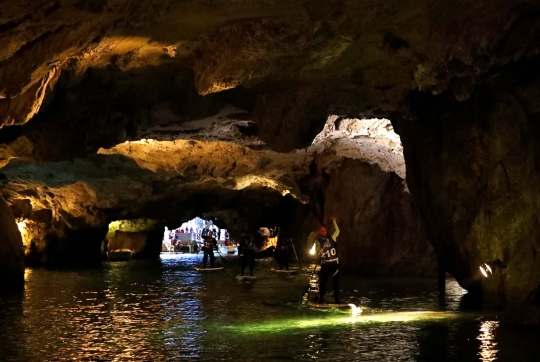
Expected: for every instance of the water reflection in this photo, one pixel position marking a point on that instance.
(488, 345)
(27, 274)
(132, 311)
(317, 344)
(165, 311)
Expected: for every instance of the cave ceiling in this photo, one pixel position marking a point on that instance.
(356, 56)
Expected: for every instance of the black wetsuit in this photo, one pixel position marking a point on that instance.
(208, 249)
(329, 266)
(282, 251)
(204, 232)
(248, 254)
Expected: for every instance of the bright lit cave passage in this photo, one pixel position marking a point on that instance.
(189, 237)
(135, 238)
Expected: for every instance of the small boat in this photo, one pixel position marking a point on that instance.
(120, 255)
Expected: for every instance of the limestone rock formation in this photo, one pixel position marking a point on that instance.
(133, 240)
(379, 231)
(217, 167)
(475, 180)
(11, 251)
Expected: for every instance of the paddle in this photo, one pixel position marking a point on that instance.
(294, 249)
(222, 258)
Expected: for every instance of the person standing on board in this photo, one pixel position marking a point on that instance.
(282, 253)
(329, 260)
(208, 249)
(247, 253)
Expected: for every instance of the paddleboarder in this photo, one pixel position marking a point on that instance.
(282, 253)
(329, 260)
(247, 253)
(209, 244)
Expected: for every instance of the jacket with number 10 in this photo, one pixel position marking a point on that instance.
(329, 245)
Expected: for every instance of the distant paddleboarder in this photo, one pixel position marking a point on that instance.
(329, 260)
(209, 244)
(282, 253)
(247, 253)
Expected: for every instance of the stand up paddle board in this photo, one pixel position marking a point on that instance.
(245, 278)
(207, 269)
(327, 306)
(286, 272)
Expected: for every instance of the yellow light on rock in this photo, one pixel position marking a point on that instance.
(23, 229)
(27, 274)
(22, 226)
(312, 251)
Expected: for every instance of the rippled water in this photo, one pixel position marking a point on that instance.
(165, 311)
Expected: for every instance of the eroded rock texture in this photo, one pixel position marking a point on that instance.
(376, 51)
(380, 232)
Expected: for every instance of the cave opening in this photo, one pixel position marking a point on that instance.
(189, 236)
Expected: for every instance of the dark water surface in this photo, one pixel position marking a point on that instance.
(165, 311)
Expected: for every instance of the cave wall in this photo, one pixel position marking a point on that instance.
(380, 229)
(11, 251)
(473, 168)
(105, 106)
(143, 236)
(74, 247)
(134, 225)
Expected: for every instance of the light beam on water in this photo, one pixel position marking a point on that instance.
(331, 321)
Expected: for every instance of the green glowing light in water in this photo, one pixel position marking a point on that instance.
(298, 324)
